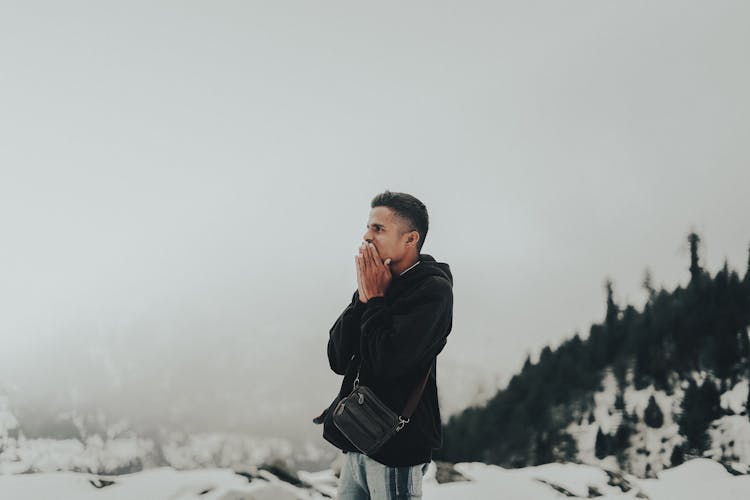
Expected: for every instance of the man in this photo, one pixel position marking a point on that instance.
(393, 329)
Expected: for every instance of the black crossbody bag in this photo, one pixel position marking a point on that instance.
(368, 422)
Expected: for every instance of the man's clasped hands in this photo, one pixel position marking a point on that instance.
(373, 275)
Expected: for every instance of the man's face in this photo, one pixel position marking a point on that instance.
(388, 233)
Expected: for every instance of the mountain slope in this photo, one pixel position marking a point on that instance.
(590, 400)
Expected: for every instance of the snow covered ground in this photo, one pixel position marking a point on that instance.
(651, 448)
(698, 479)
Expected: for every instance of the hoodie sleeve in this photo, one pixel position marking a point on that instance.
(343, 339)
(406, 334)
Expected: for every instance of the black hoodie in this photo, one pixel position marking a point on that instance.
(396, 338)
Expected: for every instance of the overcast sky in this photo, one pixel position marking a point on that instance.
(183, 184)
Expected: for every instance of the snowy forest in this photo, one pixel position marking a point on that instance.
(671, 364)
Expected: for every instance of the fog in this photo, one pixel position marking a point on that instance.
(183, 185)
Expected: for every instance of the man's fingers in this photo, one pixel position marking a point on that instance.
(359, 279)
(361, 270)
(365, 260)
(374, 257)
(360, 288)
(381, 265)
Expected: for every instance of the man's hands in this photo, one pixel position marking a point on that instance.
(373, 275)
(362, 297)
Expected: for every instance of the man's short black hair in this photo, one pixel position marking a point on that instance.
(412, 211)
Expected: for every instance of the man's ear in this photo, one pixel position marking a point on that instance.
(413, 238)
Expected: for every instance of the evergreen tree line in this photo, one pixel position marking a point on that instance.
(701, 327)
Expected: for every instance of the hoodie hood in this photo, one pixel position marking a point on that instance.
(427, 267)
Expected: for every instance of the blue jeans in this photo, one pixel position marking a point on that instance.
(363, 478)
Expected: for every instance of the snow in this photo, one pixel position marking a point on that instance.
(655, 444)
(652, 447)
(573, 477)
(162, 483)
(223, 449)
(606, 416)
(735, 398)
(201, 465)
(730, 439)
(696, 479)
(488, 481)
(8, 421)
(129, 452)
(48, 455)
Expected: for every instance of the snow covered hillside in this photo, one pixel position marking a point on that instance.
(651, 446)
(119, 455)
(117, 449)
(698, 479)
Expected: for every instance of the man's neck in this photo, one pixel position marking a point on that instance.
(405, 264)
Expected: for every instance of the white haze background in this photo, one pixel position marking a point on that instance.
(183, 185)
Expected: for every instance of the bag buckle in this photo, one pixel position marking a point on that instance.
(401, 423)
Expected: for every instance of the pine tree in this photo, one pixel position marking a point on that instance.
(542, 448)
(710, 400)
(621, 439)
(612, 309)
(743, 342)
(527, 365)
(648, 284)
(620, 401)
(652, 416)
(646, 345)
(695, 269)
(624, 431)
(692, 420)
(565, 449)
(602, 446)
(678, 456)
(700, 406)
(613, 338)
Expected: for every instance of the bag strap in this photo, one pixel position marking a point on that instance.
(416, 394)
(414, 397)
